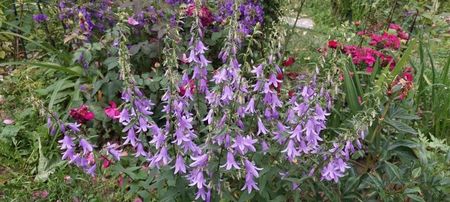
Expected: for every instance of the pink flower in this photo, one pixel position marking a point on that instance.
(403, 35)
(132, 21)
(8, 121)
(112, 111)
(395, 27)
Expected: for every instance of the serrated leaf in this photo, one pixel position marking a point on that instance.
(400, 113)
(400, 126)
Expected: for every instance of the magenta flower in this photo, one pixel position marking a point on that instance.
(132, 21)
(112, 111)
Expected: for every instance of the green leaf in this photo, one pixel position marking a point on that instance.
(10, 131)
(412, 190)
(400, 126)
(75, 70)
(400, 113)
(245, 196)
(45, 168)
(404, 60)
(58, 87)
(350, 91)
(415, 197)
(392, 170)
(416, 172)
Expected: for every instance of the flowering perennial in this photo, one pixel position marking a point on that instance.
(216, 109)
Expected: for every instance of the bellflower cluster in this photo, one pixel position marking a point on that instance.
(304, 121)
(251, 14)
(145, 17)
(225, 10)
(217, 120)
(75, 149)
(90, 16)
(338, 156)
(135, 117)
(40, 18)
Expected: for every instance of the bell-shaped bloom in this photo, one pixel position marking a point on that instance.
(231, 163)
(290, 150)
(86, 146)
(196, 178)
(199, 161)
(250, 106)
(131, 137)
(160, 159)
(180, 167)
(140, 151)
(67, 142)
(261, 128)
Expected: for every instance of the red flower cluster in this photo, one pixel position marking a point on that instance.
(288, 62)
(402, 84)
(387, 41)
(82, 114)
(204, 13)
(367, 56)
(400, 33)
(189, 86)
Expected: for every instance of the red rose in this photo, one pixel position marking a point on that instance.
(288, 62)
(333, 44)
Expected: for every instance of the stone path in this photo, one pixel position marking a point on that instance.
(305, 23)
